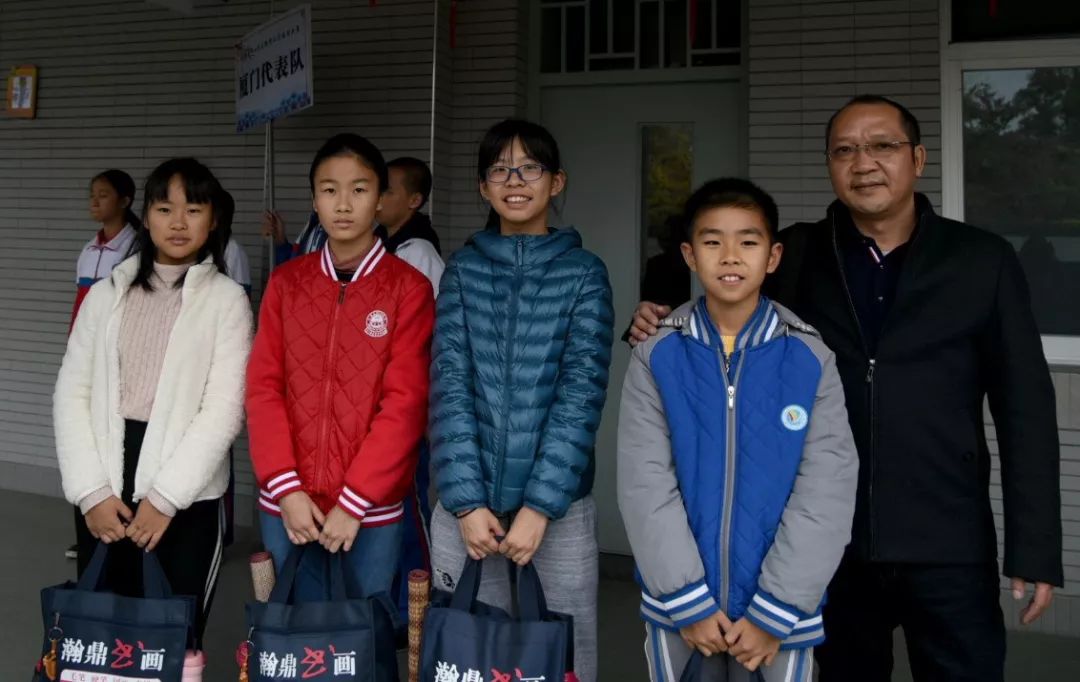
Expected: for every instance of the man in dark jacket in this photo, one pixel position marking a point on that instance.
(927, 317)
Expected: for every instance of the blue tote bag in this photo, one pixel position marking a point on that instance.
(91, 634)
(346, 638)
(467, 638)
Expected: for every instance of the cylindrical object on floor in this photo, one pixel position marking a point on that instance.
(419, 598)
(262, 575)
(194, 664)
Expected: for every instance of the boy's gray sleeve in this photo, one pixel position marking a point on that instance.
(675, 592)
(816, 523)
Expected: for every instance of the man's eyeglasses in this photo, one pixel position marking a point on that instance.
(529, 172)
(875, 150)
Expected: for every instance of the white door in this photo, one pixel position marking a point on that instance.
(600, 130)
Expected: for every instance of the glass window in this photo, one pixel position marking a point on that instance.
(729, 24)
(702, 25)
(575, 38)
(667, 171)
(622, 21)
(675, 33)
(1022, 178)
(599, 35)
(975, 20)
(650, 40)
(551, 45)
(598, 27)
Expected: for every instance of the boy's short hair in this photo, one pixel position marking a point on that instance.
(417, 176)
(730, 192)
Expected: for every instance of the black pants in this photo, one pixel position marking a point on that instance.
(950, 615)
(190, 551)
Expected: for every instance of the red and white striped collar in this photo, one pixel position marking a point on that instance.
(120, 241)
(366, 267)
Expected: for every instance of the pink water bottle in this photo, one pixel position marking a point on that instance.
(194, 663)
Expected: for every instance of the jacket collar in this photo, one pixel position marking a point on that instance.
(197, 276)
(924, 247)
(119, 243)
(366, 267)
(525, 249)
(840, 217)
(769, 321)
(761, 326)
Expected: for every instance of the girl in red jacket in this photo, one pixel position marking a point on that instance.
(338, 380)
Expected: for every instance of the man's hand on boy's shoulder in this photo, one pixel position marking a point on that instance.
(646, 321)
(707, 635)
(339, 531)
(750, 645)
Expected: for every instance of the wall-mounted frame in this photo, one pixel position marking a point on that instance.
(22, 91)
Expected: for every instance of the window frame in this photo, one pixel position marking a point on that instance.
(1011, 54)
(588, 76)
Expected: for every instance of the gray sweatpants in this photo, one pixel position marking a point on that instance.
(567, 562)
(668, 654)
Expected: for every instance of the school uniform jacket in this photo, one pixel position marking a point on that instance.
(736, 474)
(338, 382)
(198, 406)
(417, 244)
(97, 260)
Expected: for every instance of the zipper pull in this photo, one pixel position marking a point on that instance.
(870, 371)
(341, 296)
(731, 397)
(520, 250)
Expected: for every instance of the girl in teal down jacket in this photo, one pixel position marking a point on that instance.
(519, 372)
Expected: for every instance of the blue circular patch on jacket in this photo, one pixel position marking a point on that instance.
(794, 418)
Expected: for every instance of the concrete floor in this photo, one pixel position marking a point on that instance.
(39, 528)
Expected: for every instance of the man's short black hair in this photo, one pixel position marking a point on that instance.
(733, 192)
(910, 123)
(417, 176)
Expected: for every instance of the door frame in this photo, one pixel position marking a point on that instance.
(538, 82)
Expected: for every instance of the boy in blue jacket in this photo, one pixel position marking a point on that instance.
(736, 464)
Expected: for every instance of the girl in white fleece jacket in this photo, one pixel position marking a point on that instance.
(150, 394)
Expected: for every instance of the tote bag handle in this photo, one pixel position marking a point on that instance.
(283, 588)
(532, 605)
(155, 584)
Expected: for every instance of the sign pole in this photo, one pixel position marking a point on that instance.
(268, 186)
